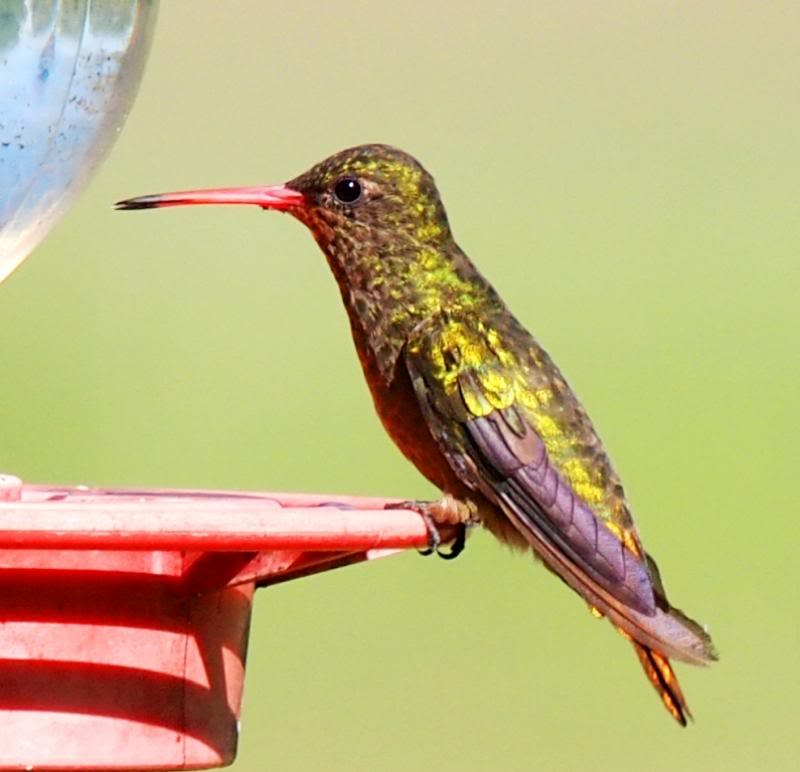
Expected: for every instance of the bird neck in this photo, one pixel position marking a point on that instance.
(390, 289)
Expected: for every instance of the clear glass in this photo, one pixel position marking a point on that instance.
(69, 71)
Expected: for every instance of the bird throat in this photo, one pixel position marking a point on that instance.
(389, 287)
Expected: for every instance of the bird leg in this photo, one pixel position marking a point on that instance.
(452, 513)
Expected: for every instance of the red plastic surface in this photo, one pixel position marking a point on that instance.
(124, 615)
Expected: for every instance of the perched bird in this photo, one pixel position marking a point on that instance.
(471, 398)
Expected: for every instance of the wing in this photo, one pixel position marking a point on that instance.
(511, 428)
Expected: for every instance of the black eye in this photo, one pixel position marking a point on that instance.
(348, 190)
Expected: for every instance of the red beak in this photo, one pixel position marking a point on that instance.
(274, 197)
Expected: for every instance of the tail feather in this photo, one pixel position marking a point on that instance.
(660, 673)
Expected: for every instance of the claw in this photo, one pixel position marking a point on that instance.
(457, 545)
(434, 537)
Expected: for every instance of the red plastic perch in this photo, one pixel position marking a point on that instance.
(124, 614)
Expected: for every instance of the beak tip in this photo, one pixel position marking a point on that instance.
(133, 203)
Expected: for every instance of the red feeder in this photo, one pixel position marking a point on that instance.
(124, 615)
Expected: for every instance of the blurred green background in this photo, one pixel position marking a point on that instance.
(627, 175)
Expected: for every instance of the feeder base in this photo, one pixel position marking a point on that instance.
(111, 646)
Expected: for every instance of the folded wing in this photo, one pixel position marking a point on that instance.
(480, 404)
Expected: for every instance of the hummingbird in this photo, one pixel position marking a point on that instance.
(470, 397)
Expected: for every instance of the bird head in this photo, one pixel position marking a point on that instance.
(366, 195)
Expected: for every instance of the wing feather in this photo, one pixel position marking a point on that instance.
(479, 414)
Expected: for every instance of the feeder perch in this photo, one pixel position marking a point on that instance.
(124, 615)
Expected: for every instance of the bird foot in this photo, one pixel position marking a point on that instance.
(454, 514)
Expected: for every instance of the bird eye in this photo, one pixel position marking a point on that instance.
(347, 191)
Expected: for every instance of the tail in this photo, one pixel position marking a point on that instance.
(660, 673)
(656, 666)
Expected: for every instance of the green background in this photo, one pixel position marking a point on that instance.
(627, 176)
